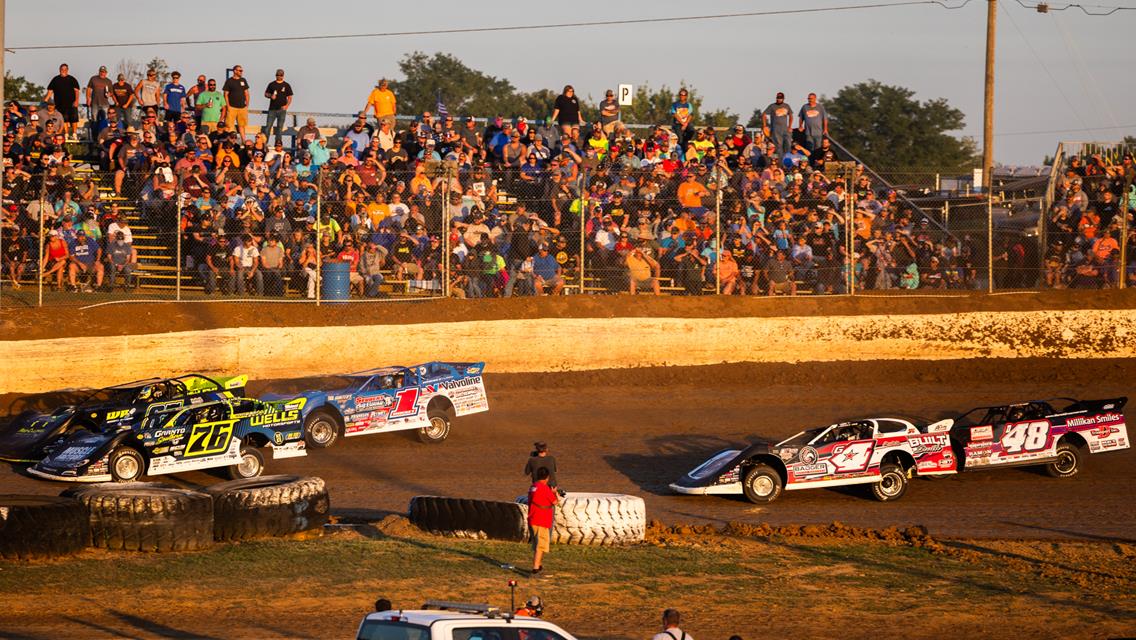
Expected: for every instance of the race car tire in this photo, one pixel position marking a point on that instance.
(250, 466)
(268, 506)
(597, 519)
(762, 484)
(1068, 462)
(146, 516)
(892, 484)
(41, 526)
(321, 429)
(466, 518)
(439, 429)
(126, 464)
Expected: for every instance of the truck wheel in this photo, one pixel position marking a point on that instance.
(762, 484)
(439, 428)
(892, 484)
(250, 466)
(126, 464)
(320, 430)
(1068, 462)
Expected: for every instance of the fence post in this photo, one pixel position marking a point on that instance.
(1123, 267)
(444, 203)
(42, 256)
(990, 240)
(947, 216)
(718, 240)
(319, 234)
(177, 229)
(445, 237)
(583, 223)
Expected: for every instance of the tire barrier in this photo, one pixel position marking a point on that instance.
(41, 526)
(146, 516)
(597, 519)
(466, 518)
(268, 506)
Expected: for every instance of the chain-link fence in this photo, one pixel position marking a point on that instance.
(512, 217)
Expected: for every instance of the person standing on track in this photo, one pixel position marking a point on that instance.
(542, 504)
(541, 459)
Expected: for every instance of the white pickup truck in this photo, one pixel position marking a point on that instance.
(438, 620)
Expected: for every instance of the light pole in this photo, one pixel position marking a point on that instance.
(988, 98)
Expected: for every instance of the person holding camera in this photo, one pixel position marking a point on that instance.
(541, 459)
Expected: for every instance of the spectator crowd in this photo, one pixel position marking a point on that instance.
(507, 206)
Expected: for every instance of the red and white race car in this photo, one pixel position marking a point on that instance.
(1055, 433)
(883, 452)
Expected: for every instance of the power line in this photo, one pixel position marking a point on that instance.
(1045, 7)
(958, 4)
(1034, 133)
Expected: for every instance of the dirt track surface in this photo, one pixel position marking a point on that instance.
(634, 431)
(139, 318)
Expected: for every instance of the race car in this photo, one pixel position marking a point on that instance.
(426, 397)
(1054, 433)
(883, 452)
(30, 435)
(228, 432)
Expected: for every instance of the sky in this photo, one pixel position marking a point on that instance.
(1060, 76)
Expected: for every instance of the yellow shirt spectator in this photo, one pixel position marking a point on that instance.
(382, 100)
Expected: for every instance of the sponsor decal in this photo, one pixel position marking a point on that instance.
(809, 469)
(1080, 422)
(929, 443)
(274, 418)
(118, 415)
(278, 437)
(1104, 431)
(808, 455)
(292, 435)
(458, 384)
(473, 370)
(982, 433)
(376, 401)
(74, 454)
(945, 463)
(852, 456)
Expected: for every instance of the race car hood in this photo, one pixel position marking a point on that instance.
(712, 471)
(72, 457)
(25, 439)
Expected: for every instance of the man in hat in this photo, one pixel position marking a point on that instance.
(539, 459)
(98, 95)
(777, 122)
(279, 94)
(382, 100)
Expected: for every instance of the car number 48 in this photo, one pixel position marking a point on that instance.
(1025, 436)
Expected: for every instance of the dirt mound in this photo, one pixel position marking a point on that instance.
(678, 534)
(137, 318)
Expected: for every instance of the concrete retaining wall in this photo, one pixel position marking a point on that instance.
(565, 344)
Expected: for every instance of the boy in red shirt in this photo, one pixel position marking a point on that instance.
(542, 503)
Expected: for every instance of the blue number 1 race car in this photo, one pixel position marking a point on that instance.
(426, 397)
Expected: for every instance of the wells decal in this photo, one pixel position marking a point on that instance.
(274, 418)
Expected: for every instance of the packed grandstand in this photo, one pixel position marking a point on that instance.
(170, 186)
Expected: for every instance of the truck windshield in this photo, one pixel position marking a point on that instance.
(391, 630)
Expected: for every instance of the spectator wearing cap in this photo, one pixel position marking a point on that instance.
(643, 270)
(566, 110)
(383, 102)
(813, 123)
(122, 95)
(98, 96)
(272, 266)
(210, 106)
(148, 93)
(121, 259)
(86, 259)
(371, 263)
(609, 112)
(777, 124)
(279, 94)
(682, 119)
(539, 459)
(173, 97)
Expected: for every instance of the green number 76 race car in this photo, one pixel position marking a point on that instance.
(228, 432)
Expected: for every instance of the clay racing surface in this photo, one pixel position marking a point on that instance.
(636, 430)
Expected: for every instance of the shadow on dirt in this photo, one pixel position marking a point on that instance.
(669, 458)
(1071, 534)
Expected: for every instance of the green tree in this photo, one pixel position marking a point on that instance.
(886, 127)
(22, 89)
(463, 90)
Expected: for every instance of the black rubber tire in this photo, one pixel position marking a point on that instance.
(124, 458)
(466, 518)
(41, 526)
(146, 516)
(892, 484)
(252, 456)
(268, 506)
(440, 422)
(755, 487)
(327, 428)
(1068, 462)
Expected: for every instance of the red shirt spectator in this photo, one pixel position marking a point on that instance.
(541, 502)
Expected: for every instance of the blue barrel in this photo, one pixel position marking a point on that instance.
(336, 280)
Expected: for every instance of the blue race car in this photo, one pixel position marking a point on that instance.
(31, 435)
(426, 397)
(229, 432)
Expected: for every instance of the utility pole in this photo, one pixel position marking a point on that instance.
(988, 102)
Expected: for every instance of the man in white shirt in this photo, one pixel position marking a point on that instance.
(671, 630)
(246, 258)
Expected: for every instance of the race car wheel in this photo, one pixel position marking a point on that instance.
(126, 464)
(1068, 462)
(250, 466)
(762, 484)
(892, 484)
(438, 430)
(320, 430)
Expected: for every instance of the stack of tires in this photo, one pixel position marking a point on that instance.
(581, 518)
(149, 516)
